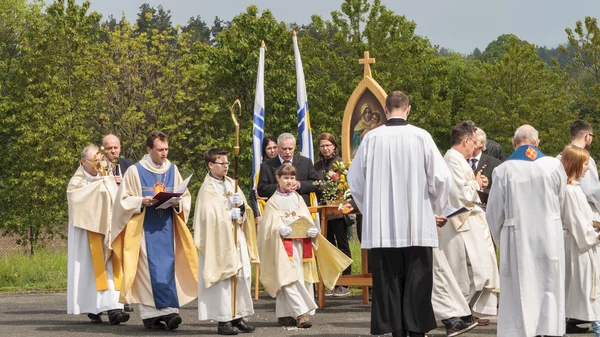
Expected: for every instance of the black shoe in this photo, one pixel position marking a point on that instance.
(154, 323)
(173, 320)
(96, 319)
(226, 328)
(128, 308)
(117, 316)
(573, 328)
(242, 325)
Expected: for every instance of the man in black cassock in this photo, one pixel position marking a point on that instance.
(399, 181)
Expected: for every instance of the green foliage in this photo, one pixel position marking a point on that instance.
(67, 78)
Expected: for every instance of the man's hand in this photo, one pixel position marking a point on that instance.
(118, 179)
(148, 201)
(481, 180)
(440, 221)
(347, 208)
(312, 232)
(296, 185)
(257, 221)
(285, 230)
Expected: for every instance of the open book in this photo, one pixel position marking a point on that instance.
(167, 199)
(450, 211)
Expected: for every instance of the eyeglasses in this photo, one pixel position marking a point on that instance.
(224, 164)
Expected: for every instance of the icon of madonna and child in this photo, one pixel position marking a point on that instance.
(369, 120)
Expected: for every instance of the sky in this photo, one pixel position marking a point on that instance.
(460, 25)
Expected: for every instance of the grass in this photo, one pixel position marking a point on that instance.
(44, 271)
(47, 271)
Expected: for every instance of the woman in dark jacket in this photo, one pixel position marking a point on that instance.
(337, 225)
(269, 150)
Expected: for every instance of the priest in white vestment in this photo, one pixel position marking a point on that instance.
(290, 249)
(466, 240)
(93, 279)
(581, 241)
(399, 181)
(221, 262)
(449, 303)
(524, 215)
(154, 246)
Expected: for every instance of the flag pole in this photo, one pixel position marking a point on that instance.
(236, 152)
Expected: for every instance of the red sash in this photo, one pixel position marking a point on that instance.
(307, 252)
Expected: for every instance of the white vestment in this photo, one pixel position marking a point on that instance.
(446, 298)
(214, 302)
(82, 296)
(466, 240)
(581, 240)
(524, 215)
(297, 298)
(399, 181)
(129, 203)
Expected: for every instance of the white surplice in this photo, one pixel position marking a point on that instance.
(446, 298)
(399, 181)
(524, 215)
(82, 296)
(215, 302)
(297, 298)
(581, 240)
(466, 240)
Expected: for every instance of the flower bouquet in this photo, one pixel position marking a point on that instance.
(335, 186)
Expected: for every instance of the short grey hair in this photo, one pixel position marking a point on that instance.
(87, 149)
(480, 134)
(526, 134)
(285, 136)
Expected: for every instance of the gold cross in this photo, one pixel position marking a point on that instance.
(367, 62)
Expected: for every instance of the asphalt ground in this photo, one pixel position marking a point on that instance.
(44, 314)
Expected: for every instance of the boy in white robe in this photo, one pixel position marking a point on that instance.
(91, 286)
(524, 215)
(222, 262)
(581, 240)
(289, 269)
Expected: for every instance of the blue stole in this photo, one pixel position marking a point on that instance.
(160, 246)
(527, 153)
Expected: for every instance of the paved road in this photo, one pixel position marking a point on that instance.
(45, 315)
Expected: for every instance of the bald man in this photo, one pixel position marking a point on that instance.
(112, 145)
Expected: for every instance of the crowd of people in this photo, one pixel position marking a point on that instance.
(432, 224)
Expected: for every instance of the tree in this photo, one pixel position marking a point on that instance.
(198, 30)
(150, 18)
(521, 89)
(496, 49)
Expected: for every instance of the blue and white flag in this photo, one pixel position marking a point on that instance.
(304, 129)
(258, 130)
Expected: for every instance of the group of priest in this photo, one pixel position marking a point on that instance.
(427, 265)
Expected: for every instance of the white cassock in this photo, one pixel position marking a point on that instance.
(85, 207)
(297, 298)
(406, 159)
(581, 240)
(214, 302)
(446, 298)
(524, 215)
(467, 242)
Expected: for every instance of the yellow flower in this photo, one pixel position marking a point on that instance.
(342, 178)
(340, 186)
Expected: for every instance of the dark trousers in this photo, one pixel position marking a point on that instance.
(402, 285)
(337, 234)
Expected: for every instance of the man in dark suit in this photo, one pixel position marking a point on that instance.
(305, 170)
(112, 146)
(481, 161)
(493, 149)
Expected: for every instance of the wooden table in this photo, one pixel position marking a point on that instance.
(364, 279)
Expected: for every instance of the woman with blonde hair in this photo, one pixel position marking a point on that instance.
(581, 240)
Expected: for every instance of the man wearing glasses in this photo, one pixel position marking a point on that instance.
(466, 239)
(223, 260)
